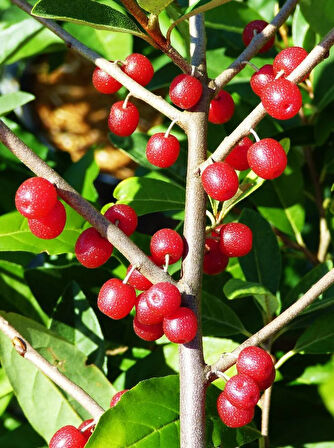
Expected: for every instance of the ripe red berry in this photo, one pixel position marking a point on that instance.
(162, 151)
(147, 332)
(166, 242)
(116, 299)
(263, 385)
(185, 91)
(144, 314)
(124, 217)
(115, 399)
(139, 68)
(232, 416)
(105, 83)
(68, 437)
(137, 280)
(253, 28)
(288, 59)
(262, 78)
(235, 239)
(91, 249)
(281, 99)
(214, 261)
(220, 181)
(181, 327)
(51, 225)
(242, 391)
(267, 158)
(35, 197)
(86, 429)
(123, 121)
(257, 364)
(237, 158)
(221, 108)
(163, 299)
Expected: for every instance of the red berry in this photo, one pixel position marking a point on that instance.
(68, 437)
(89, 431)
(124, 217)
(261, 78)
(115, 399)
(163, 299)
(35, 197)
(116, 299)
(256, 363)
(123, 121)
(220, 181)
(242, 391)
(288, 59)
(166, 242)
(267, 158)
(221, 108)
(51, 225)
(139, 68)
(237, 158)
(147, 332)
(214, 261)
(232, 416)
(105, 83)
(162, 151)
(235, 239)
(144, 314)
(267, 382)
(91, 249)
(253, 28)
(181, 327)
(185, 91)
(281, 99)
(137, 280)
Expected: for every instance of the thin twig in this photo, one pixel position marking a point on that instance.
(289, 243)
(24, 349)
(265, 416)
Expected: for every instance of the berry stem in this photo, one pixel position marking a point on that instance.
(284, 358)
(128, 275)
(89, 425)
(166, 263)
(212, 219)
(257, 138)
(254, 67)
(170, 127)
(125, 104)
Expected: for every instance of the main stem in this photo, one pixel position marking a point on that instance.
(192, 372)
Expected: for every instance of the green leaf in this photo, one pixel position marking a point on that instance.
(6, 391)
(81, 176)
(146, 416)
(263, 263)
(319, 14)
(86, 12)
(147, 195)
(317, 374)
(23, 435)
(302, 35)
(232, 16)
(323, 87)
(327, 393)
(318, 338)
(11, 101)
(154, 6)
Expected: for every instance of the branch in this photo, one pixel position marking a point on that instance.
(24, 349)
(265, 416)
(318, 53)
(112, 69)
(226, 361)
(84, 208)
(253, 48)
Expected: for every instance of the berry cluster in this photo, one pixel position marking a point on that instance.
(36, 199)
(256, 372)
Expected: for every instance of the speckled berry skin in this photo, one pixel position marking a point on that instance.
(162, 151)
(115, 399)
(237, 158)
(163, 299)
(147, 332)
(51, 225)
(281, 99)
(257, 364)
(144, 313)
(236, 239)
(256, 26)
(262, 78)
(116, 299)
(220, 181)
(138, 280)
(89, 431)
(139, 68)
(68, 437)
(35, 197)
(126, 217)
(163, 242)
(185, 91)
(242, 391)
(123, 121)
(180, 327)
(288, 59)
(267, 158)
(91, 249)
(232, 416)
(105, 83)
(221, 108)
(214, 261)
